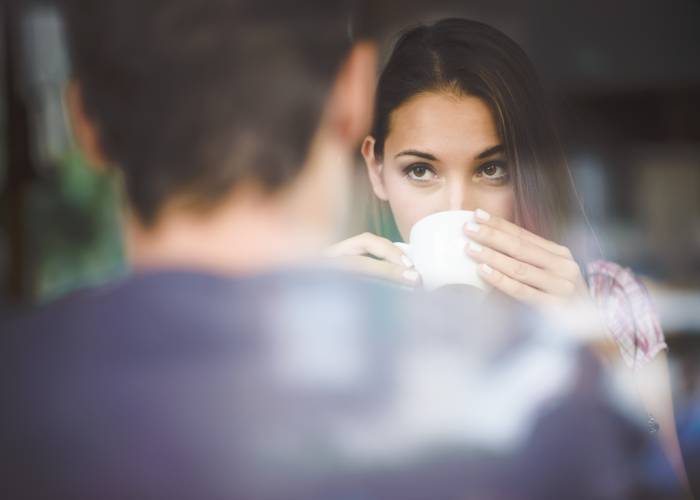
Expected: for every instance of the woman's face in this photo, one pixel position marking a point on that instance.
(442, 152)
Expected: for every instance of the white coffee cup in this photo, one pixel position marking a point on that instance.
(437, 248)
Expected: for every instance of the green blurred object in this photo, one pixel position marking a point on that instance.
(74, 229)
(380, 220)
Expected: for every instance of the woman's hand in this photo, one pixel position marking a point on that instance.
(523, 265)
(375, 256)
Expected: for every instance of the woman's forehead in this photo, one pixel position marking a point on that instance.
(442, 124)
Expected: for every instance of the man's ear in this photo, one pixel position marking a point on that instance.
(352, 98)
(374, 168)
(85, 130)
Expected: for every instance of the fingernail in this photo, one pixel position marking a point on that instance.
(475, 247)
(487, 269)
(406, 261)
(472, 227)
(482, 214)
(410, 275)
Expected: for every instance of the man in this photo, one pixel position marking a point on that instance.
(222, 367)
(234, 125)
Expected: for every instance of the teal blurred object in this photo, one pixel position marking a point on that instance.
(74, 232)
(380, 220)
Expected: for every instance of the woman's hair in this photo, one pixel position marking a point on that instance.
(465, 57)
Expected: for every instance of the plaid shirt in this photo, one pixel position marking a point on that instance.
(628, 311)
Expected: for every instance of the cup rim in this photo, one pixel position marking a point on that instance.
(436, 214)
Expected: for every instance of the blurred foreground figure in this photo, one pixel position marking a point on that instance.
(223, 367)
(303, 385)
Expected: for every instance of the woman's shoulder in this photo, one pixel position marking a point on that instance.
(628, 309)
(604, 271)
(606, 277)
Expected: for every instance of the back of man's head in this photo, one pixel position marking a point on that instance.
(192, 97)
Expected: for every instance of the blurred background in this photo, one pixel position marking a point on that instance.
(624, 80)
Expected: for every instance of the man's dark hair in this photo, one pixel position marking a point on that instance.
(192, 97)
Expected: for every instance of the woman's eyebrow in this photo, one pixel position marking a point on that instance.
(419, 154)
(490, 151)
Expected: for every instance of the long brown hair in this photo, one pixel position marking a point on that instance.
(466, 57)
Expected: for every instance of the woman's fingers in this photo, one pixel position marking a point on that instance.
(380, 269)
(514, 288)
(522, 248)
(521, 264)
(485, 218)
(387, 261)
(370, 244)
(521, 271)
(514, 246)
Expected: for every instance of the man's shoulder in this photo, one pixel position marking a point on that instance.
(182, 299)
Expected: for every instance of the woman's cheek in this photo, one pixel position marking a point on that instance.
(500, 204)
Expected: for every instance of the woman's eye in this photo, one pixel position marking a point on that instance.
(494, 171)
(421, 173)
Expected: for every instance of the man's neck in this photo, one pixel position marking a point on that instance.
(236, 239)
(252, 231)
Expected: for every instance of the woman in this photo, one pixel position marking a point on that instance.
(460, 124)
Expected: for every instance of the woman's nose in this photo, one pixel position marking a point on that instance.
(460, 198)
